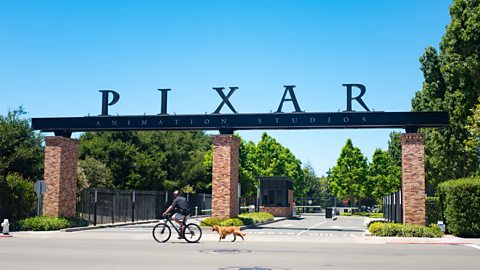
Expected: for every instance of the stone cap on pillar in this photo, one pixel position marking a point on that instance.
(57, 140)
(412, 138)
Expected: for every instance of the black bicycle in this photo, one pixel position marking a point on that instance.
(191, 232)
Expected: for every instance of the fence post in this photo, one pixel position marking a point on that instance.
(133, 205)
(400, 205)
(394, 207)
(113, 207)
(95, 208)
(389, 198)
(383, 207)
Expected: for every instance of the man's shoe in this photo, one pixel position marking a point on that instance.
(180, 237)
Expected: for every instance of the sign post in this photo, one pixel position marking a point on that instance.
(39, 187)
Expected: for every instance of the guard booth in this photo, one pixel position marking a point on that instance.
(276, 196)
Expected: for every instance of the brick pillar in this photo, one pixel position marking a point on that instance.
(413, 178)
(60, 176)
(225, 176)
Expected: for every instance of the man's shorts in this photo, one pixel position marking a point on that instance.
(178, 216)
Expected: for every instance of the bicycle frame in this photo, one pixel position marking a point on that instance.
(191, 233)
(169, 220)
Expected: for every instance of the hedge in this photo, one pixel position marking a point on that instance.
(433, 210)
(46, 223)
(460, 201)
(243, 219)
(400, 230)
(362, 214)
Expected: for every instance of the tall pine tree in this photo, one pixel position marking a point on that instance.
(452, 83)
(348, 179)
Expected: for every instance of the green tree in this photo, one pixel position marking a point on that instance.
(21, 148)
(117, 150)
(21, 163)
(473, 126)
(178, 157)
(273, 159)
(316, 186)
(267, 158)
(348, 178)
(452, 84)
(94, 174)
(383, 175)
(155, 160)
(17, 199)
(248, 170)
(395, 148)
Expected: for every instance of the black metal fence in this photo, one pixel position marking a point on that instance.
(393, 208)
(100, 206)
(309, 205)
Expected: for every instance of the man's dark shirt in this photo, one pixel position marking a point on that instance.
(179, 204)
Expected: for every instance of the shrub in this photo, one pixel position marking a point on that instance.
(246, 220)
(433, 210)
(460, 201)
(363, 214)
(243, 219)
(43, 223)
(232, 222)
(211, 221)
(77, 222)
(375, 215)
(377, 221)
(395, 229)
(257, 217)
(17, 199)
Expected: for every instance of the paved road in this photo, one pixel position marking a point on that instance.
(305, 226)
(50, 253)
(307, 243)
(316, 226)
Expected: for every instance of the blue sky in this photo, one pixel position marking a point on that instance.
(56, 55)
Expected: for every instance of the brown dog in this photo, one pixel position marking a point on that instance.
(224, 231)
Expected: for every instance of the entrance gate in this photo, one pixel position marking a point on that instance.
(61, 150)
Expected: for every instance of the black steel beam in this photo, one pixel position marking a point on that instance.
(227, 123)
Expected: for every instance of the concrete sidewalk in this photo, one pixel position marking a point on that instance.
(209, 236)
(144, 233)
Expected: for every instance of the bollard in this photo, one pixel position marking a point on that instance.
(196, 211)
(6, 227)
(441, 225)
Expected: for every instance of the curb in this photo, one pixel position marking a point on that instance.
(263, 223)
(102, 226)
(366, 233)
(5, 235)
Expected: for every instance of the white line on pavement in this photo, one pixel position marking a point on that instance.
(300, 233)
(473, 246)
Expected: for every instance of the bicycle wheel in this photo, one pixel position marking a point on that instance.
(161, 232)
(192, 233)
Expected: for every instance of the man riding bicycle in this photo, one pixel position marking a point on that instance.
(181, 208)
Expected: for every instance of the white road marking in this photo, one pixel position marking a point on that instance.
(288, 225)
(300, 233)
(473, 246)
